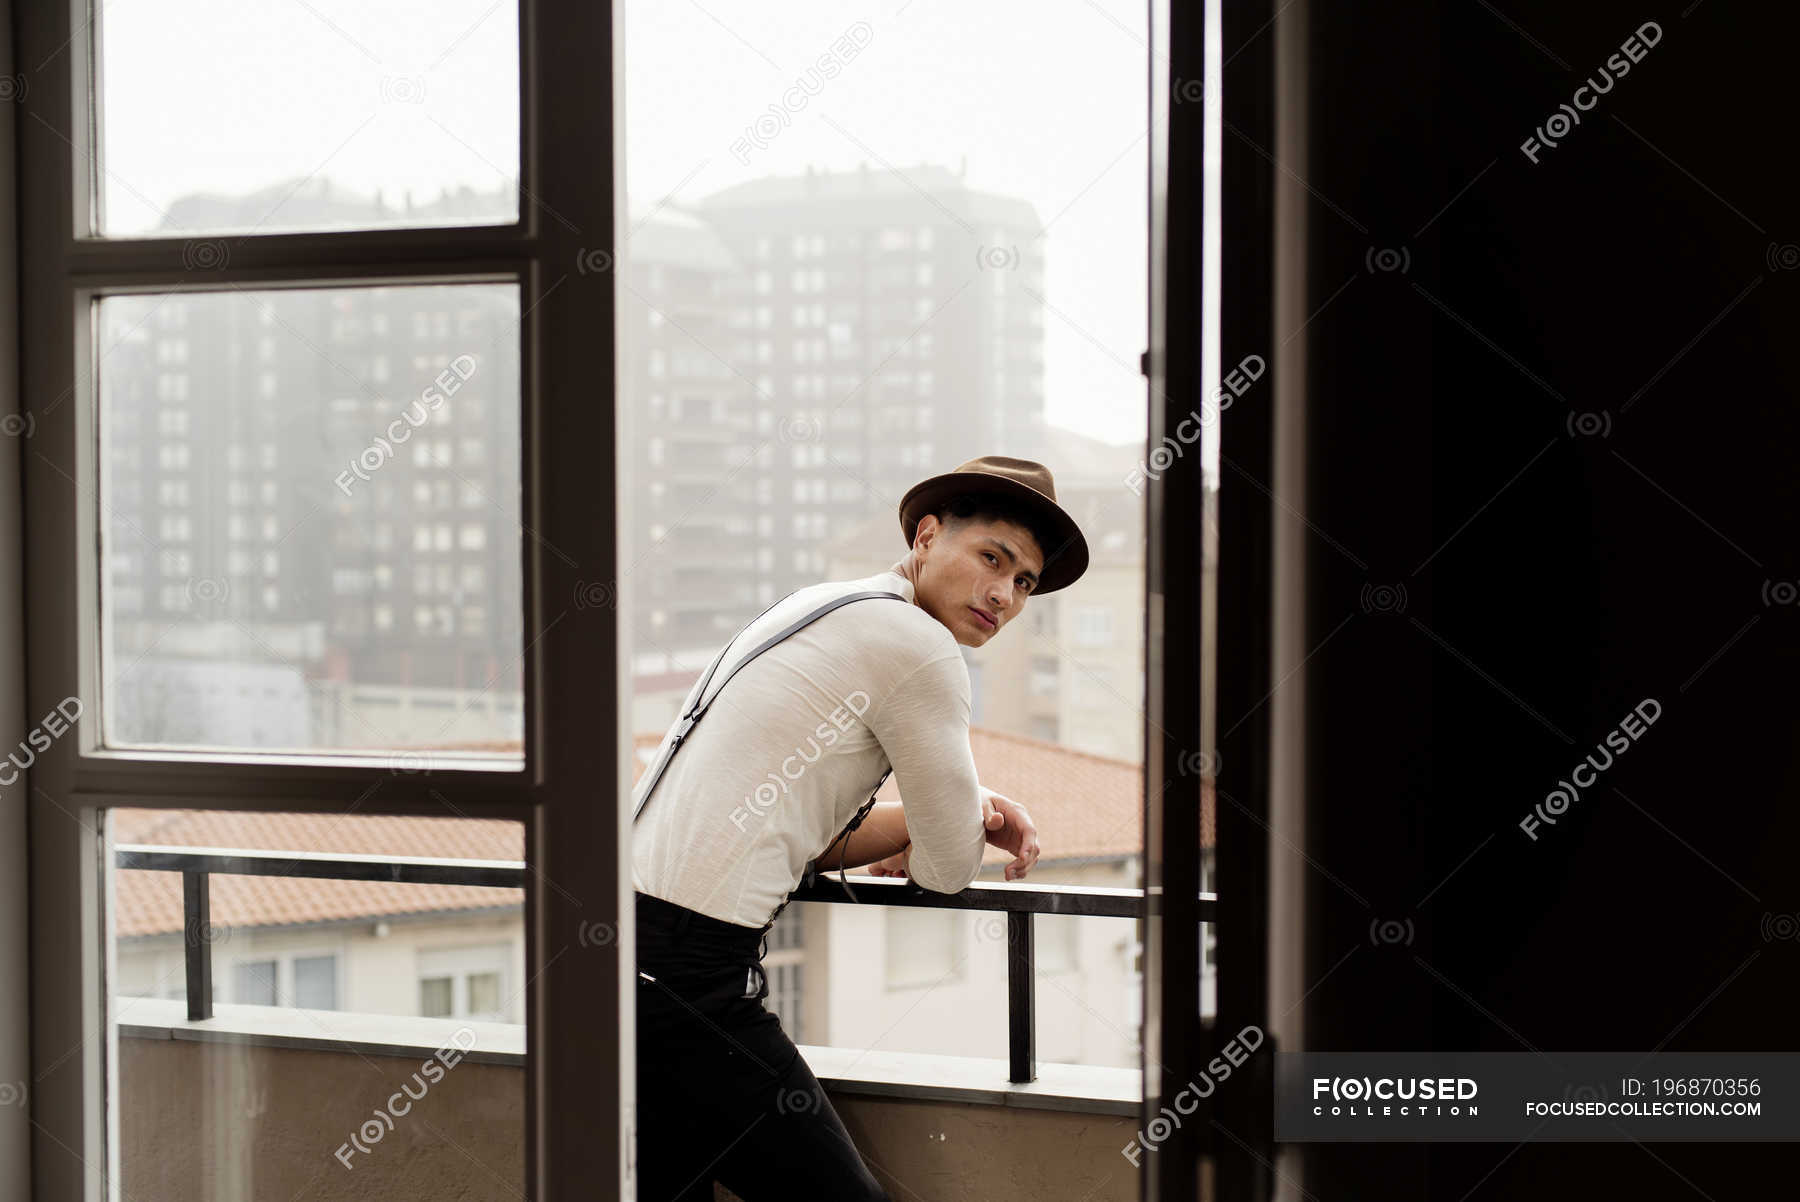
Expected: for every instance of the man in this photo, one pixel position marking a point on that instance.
(772, 787)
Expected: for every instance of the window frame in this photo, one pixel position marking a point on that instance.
(576, 1132)
(581, 1004)
(1229, 644)
(104, 769)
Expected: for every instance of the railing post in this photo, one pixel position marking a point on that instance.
(1021, 997)
(196, 918)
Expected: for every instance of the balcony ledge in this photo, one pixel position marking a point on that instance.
(1078, 1088)
(319, 1030)
(1082, 1088)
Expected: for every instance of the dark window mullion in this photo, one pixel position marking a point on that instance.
(126, 260)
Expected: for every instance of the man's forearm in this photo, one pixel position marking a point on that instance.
(881, 833)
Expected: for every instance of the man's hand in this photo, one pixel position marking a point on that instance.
(894, 865)
(1010, 829)
(1006, 825)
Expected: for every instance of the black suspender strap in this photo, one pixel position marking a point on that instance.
(702, 702)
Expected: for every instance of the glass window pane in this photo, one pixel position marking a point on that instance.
(474, 977)
(315, 982)
(330, 114)
(308, 969)
(435, 998)
(253, 982)
(307, 586)
(854, 297)
(484, 992)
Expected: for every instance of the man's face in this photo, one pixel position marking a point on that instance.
(974, 576)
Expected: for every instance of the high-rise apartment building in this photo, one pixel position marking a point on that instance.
(287, 567)
(810, 346)
(795, 353)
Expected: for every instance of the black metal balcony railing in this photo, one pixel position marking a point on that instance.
(1021, 903)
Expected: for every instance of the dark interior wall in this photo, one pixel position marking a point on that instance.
(1552, 475)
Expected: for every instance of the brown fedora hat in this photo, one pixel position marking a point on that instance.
(1021, 479)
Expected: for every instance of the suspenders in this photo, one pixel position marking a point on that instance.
(702, 702)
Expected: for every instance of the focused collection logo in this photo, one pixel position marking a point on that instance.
(1394, 1097)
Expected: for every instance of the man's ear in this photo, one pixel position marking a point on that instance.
(927, 532)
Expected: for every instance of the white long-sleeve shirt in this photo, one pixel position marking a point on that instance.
(795, 743)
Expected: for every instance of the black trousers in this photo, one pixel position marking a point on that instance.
(723, 1093)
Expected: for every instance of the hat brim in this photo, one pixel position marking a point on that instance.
(1063, 563)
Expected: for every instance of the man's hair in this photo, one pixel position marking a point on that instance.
(968, 507)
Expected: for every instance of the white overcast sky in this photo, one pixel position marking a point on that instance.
(1045, 101)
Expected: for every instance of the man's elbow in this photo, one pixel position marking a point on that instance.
(926, 874)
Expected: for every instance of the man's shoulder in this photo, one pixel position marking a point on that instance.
(878, 626)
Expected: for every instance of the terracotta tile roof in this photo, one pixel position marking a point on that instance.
(1084, 806)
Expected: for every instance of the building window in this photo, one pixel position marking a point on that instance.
(787, 996)
(315, 982)
(253, 982)
(1093, 626)
(436, 998)
(785, 967)
(464, 982)
(484, 993)
(309, 982)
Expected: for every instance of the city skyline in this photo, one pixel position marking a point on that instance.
(794, 354)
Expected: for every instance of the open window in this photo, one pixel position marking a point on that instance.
(333, 528)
